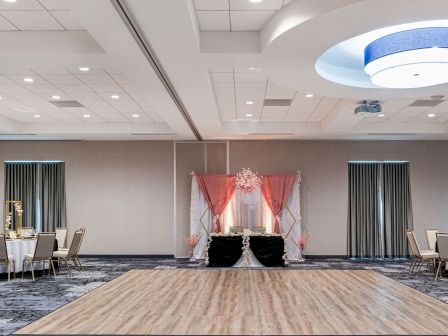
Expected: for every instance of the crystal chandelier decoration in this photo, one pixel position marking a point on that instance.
(247, 181)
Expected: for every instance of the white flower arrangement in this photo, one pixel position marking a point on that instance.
(247, 181)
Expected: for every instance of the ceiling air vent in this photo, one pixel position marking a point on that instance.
(66, 103)
(426, 103)
(277, 102)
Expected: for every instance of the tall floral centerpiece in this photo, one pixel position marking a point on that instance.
(303, 241)
(192, 242)
(247, 181)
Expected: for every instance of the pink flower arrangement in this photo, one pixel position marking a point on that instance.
(193, 241)
(303, 240)
(247, 181)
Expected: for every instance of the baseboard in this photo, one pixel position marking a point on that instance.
(148, 256)
(325, 256)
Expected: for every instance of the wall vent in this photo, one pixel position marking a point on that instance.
(426, 103)
(277, 102)
(66, 103)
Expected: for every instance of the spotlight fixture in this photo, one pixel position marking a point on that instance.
(135, 115)
(28, 80)
(249, 115)
(431, 115)
(249, 102)
(115, 97)
(309, 95)
(36, 115)
(86, 115)
(56, 97)
(380, 115)
(408, 59)
(85, 69)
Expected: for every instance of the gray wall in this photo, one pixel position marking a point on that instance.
(123, 192)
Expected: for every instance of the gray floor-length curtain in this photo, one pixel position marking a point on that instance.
(52, 200)
(364, 228)
(397, 207)
(20, 185)
(379, 209)
(41, 188)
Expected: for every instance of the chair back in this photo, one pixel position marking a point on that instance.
(259, 229)
(44, 246)
(442, 244)
(431, 238)
(61, 236)
(76, 242)
(236, 229)
(413, 243)
(3, 249)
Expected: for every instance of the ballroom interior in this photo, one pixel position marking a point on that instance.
(230, 167)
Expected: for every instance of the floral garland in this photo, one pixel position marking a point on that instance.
(247, 181)
(246, 255)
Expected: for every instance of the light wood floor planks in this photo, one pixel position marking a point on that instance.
(229, 301)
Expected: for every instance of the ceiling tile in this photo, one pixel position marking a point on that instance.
(21, 5)
(32, 20)
(55, 4)
(249, 20)
(245, 77)
(5, 80)
(75, 89)
(62, 79)
(68, 20)
(6, 25)
(320, 112)
(264, 5)
(96, 79)
(213, 20)
(251, 96)
(274, 113)
(211, 4)
(280, 94)
(222, 77)
(19, 79)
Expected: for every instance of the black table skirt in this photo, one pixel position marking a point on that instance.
(225, 251)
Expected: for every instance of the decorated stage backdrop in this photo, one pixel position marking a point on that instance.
(218, 204)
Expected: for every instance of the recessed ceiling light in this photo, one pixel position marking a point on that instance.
(255, 1)
(431, 115)
(36, 115)
(380, 115)
(10, 1)
(249, 115)
(309, 95)
(249, 102)
(1, 98)
(28, 80)
(115, 97)
(251, 68)
(86, 115)
(135, 115)
(84, 68)
(56, 97)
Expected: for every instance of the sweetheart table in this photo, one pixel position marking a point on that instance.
(241, 250)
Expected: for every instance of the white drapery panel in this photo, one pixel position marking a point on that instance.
(247, 211)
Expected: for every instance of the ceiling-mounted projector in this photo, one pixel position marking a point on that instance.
(368, 107)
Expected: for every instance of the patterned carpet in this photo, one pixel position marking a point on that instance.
(22, 302)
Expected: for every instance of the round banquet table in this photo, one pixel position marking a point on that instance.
(18, 248)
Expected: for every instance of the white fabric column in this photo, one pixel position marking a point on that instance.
(286, 220)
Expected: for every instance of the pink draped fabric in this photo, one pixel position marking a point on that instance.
(276, 190)
(217, 190)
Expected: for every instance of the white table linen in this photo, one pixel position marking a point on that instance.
(18, 248)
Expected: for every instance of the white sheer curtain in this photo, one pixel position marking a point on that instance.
(247, 211)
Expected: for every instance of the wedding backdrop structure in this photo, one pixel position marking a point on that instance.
(218, 204)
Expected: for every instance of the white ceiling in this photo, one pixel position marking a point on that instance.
(41, 15)
(216, 54)
(235, 15)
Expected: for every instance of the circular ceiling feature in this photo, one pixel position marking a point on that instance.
(408, 59)
(406, 56)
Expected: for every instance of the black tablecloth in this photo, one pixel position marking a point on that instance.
(269, 250)
(225, 251)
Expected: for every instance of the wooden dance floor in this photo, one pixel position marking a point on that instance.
(229, 301)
